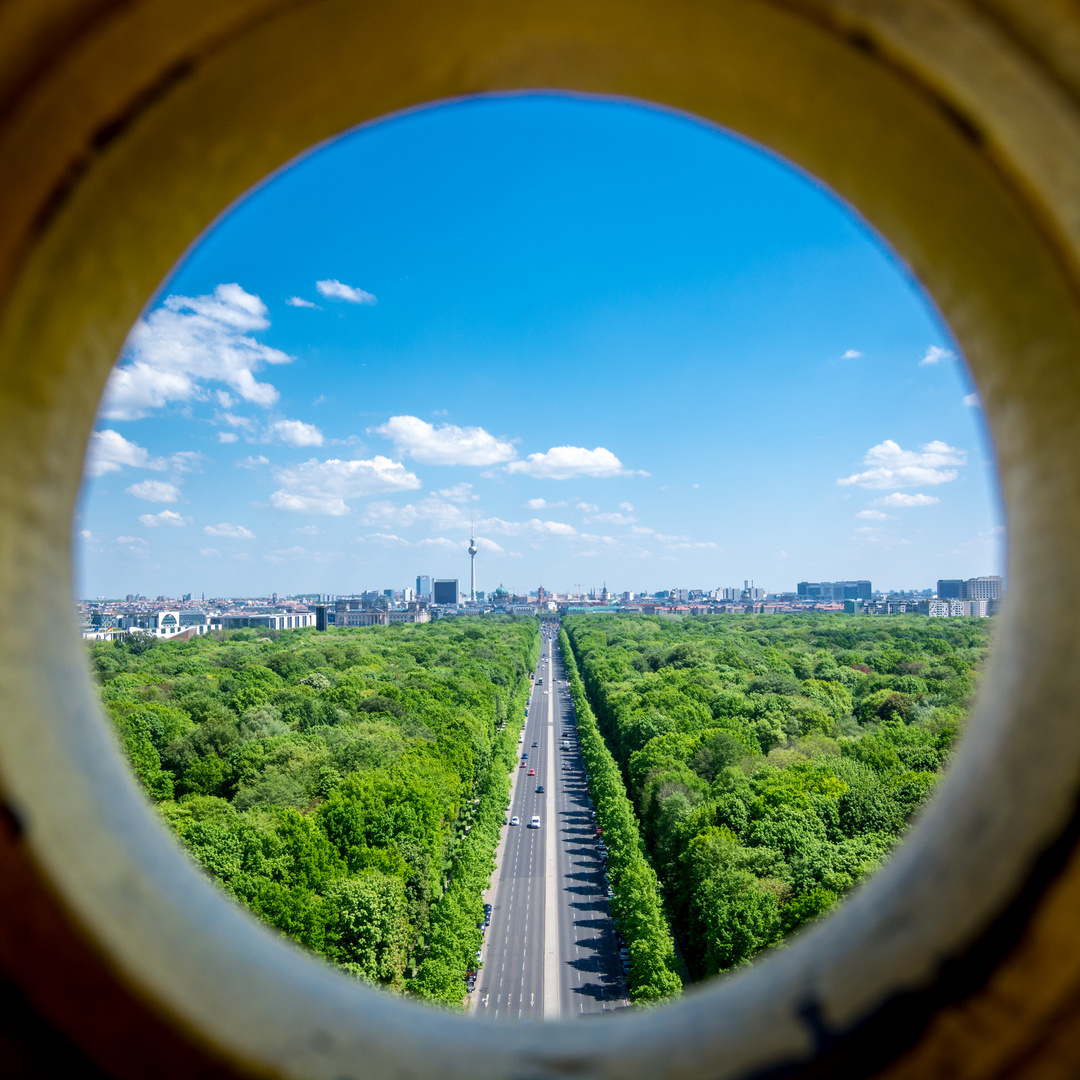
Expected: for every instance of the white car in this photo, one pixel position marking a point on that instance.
(514, 820)
(535, 823)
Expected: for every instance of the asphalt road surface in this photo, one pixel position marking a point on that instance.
(550, 951)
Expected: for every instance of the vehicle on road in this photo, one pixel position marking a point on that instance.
(536, 744)
(521, 765)
(539, 789)
(535, 823)
(532, 772)
(515, 820)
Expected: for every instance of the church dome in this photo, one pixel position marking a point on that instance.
(501, 593)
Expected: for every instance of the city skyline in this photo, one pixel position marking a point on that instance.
(625, 345)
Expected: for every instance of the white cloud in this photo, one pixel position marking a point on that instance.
(533, 527)
(443, 542)
(446, 445)
(890, 466)
(210, 553)
(383, 538)
(109, 451)
(564, 462)
(299, 301)
(234, 532)
(873, 515)
(130, 540)
(322, 487)
(899, 500)
(244, 422)
(851, 354)
(227, 437)
(155, 491)
(610, 519)
(458, 493)
(436, 511)
(308, 530)
(973, 401)
(189, 340)
(251, 462)
(86, 534)
(643, 530)
(934, 355)
(288, 554)
(441, 515)
(296, 433)
(166, 517)
(543, 504)
(628, 507)
(186, 461)
(588, 508)
(336, 290)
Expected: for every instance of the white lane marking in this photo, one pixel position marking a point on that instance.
(551, 884)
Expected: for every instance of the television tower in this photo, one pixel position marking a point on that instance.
(472, 557)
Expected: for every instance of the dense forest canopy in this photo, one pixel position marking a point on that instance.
(773, 761)
(347, 787)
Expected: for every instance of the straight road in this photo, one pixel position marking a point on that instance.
(551, 951)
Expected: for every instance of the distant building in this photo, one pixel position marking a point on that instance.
(268, 622)
(936, 609)
(165, 624)
(976, 588)
(835, 591)
(423, 586)
(984, 588)
(444, 591)
(414, 613)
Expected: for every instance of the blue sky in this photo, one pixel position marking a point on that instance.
(635, 349)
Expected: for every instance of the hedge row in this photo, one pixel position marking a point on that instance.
(454, 929)
(636, 904)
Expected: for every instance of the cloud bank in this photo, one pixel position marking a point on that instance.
(333, 289)
(566, 462)
(186, 342)
(324, 487)
(446, 445)
(893, 467)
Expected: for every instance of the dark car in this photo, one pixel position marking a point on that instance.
(539, 789)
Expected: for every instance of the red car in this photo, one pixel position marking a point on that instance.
(532, 772)
(522, 765)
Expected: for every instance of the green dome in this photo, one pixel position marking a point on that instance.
(500, 593)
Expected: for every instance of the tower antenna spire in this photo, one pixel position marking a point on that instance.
(472, 555)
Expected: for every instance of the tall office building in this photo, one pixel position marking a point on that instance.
(835, 591)
(976, 588)
(423, 587)
(444, 591)
(984, 588)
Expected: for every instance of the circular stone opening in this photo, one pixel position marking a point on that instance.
(88, 251)
(544, 272)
